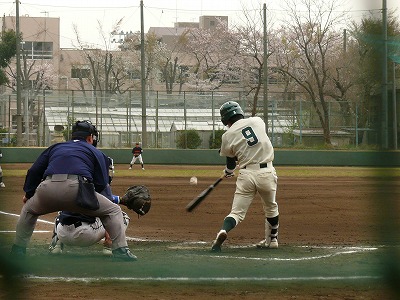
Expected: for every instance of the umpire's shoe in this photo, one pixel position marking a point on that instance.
(221, 237)
(18, 251)
(123, 253)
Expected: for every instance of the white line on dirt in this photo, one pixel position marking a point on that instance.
(134, 239)
(15, 215)
(187, 245)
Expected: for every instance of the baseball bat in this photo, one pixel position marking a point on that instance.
(196, 201)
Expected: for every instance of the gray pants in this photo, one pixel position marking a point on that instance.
(52, 196)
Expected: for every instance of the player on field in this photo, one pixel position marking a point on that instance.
(247, 143)
(73, 229)
(137, 155)
(72, 176)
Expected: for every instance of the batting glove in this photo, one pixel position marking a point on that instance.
(228, 173)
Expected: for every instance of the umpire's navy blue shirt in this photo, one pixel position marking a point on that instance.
(73, 157)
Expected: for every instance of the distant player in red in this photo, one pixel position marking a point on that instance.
(137, 154)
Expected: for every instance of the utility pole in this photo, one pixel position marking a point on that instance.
(265, 69)
(394, 109)
(143, 78)
(18, 53)
(385, 138)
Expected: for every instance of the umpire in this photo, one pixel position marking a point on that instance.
(72, 176)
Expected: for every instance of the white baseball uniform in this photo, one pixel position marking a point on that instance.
(82, 233)
(247, 141)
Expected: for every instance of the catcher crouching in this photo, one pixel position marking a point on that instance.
(73, 229)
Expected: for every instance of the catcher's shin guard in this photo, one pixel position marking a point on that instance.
(271, 233)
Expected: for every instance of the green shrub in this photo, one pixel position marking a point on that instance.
(189, 139)
(215, 143)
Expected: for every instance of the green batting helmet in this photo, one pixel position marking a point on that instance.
(228, 110)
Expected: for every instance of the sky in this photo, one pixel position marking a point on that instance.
(88, 14)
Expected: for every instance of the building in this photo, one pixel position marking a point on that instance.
(46, 113)
(74, 93)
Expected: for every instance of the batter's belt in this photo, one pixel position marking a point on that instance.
(76, 224)
(258, 166)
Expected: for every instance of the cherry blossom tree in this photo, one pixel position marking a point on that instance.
(213, 56)
(110, 71)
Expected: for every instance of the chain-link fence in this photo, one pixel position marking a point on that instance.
(119, 118)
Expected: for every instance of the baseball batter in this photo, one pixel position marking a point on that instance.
(72, 176)
(245, 142)
(137, 155)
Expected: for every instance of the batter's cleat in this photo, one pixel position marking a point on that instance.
(268, 243)
(2, 185)
(124, 254)
(18, 251)
(221, 237)
(143, 169)
(130, 168)
(56, 247)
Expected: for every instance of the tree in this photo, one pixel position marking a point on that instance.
(366, 43)
(188, 139)
(36, 76)
(8, 50)
(215, 142)
(168, 62)
(214, 55)
(250, 56)
(152, 48)
(109, 70)
(309, 41)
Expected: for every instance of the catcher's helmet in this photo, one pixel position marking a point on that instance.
(85, 128)
(228, 110)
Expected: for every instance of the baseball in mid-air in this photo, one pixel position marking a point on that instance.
(193, 180)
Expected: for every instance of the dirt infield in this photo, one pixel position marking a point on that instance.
(314, 211)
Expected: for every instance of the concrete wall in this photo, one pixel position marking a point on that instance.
(211, 157)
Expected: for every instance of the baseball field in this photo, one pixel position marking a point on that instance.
(338, 239)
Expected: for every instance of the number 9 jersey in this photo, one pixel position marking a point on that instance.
(247, 140)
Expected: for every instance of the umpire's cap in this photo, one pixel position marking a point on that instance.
(82, 129)
(230, 109)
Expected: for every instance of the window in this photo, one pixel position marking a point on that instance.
(38, 50)
(133, 74)
(80, 72)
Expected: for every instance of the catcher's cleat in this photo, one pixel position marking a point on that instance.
(56, 247)
(18, 251)
(107, 251)
(123, 253)
(2, 185)
(271, 244)
(221, 237)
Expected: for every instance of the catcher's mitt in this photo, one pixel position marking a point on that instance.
(137, 198)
